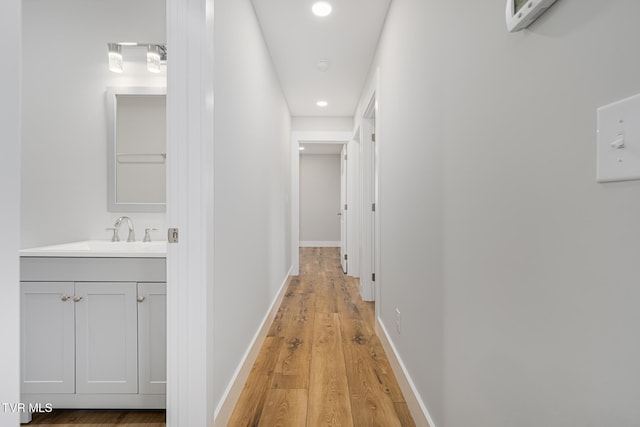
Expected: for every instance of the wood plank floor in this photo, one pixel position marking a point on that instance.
(321, 363)
(100, 417)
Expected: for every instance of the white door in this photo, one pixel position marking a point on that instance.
(368, 260)
(343, 212)
(374, 198)
(106, 338)
(152, 337)
(47, 337)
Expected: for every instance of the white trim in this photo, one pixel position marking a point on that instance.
(319, 244)
(232, 393)
(414, 401)
(325, 137)
(10, 118)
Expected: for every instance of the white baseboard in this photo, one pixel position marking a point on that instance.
(416, 406)
(319, 244)
(230, 397)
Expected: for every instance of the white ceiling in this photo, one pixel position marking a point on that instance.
(298, 40)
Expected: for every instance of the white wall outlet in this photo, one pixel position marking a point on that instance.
(618, 149)
(398, 322)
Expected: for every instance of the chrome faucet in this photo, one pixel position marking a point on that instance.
(116, 232)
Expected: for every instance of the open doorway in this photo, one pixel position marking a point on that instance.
(66, 171)
(322, 192)
(310, 141)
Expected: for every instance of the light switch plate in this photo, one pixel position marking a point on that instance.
(618, 150)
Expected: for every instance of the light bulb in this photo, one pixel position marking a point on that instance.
(115, 57)
(321, 8)
(153, 58)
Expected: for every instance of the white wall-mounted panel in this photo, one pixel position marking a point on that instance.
(618, 150)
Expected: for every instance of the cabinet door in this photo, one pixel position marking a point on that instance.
(47, 337)
(106, 338)
(152, 337)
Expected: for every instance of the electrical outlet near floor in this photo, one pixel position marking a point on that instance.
(398, 323)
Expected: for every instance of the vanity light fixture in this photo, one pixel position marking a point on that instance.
(115, 57)
(321, 8)
(322, 103)
(156, 55)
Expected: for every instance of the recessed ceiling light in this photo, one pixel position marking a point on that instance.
(301, 148)
(322, 103)
(321, 8)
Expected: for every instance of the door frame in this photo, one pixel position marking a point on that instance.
(190, 117)
(324, 137)
(10, 117)
(189, 207)
(344, 211)
(368, 119)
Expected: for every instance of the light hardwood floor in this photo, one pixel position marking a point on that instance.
(321, 363)
(102, 418)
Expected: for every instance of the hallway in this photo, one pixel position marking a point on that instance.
(321, 362)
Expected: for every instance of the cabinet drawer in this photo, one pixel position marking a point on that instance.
(35, 269)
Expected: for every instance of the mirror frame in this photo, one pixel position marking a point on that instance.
(112, 108)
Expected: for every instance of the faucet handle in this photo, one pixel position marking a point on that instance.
(115, 237)
(147, 234)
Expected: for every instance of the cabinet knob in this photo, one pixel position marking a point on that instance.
(76, 298)
(140, 298)
(65, 298)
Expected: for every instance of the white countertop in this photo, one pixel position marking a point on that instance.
(100, 249)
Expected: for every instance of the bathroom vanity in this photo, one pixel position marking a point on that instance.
(93, 325)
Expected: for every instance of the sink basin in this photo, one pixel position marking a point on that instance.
(100, 248)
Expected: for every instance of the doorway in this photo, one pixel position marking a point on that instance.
(307, 139)
(189, 33)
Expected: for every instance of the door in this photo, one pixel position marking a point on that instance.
(106, 338)
(47, 337)
(152, 337)
(343, 212)
(374, 204)
(369, 238)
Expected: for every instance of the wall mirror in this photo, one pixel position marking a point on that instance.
(136, 149)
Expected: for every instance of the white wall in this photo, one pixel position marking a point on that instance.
(322, 124)
(319, 199)
(252, 173)
(515, 272)
(65, 74)
(10, 212)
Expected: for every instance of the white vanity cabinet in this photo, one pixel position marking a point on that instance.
(106, 338)
(47, 337)
(94, 332)
(152, 338)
